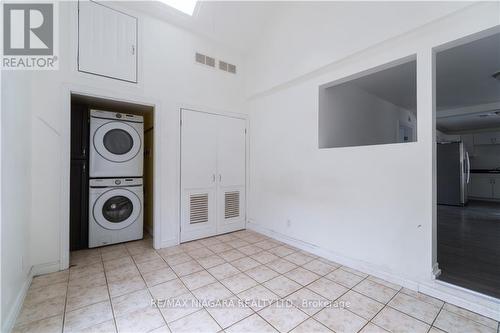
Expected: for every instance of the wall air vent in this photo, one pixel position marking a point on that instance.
(198, 208)
(231, 68)
(209, 61)
(204, 59)
(200, 58)
(227, 67)
(232, 204)
(223, 65)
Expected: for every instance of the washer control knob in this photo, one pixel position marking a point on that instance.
(118, 115)
(118, 182)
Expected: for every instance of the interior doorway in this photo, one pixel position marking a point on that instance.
(468, 163)
(111, 172)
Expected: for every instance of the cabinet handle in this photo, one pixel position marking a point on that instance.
(220, 178)
(213, 178)
(84, 171)
(133, 49)
(84, 151)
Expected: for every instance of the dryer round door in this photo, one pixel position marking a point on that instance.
(117, 141)
(116, 209)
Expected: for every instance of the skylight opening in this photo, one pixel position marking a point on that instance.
(185, 6)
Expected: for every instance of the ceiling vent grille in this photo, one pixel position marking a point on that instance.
(232, 204)
(198, 208)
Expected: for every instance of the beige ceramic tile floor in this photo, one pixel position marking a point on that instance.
(265, 285)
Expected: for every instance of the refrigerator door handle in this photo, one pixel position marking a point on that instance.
(468, 167)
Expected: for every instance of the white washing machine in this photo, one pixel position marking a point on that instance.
(115, 210)
(116, 144)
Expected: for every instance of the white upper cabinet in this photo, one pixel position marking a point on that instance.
(107, 42)
(487, 138)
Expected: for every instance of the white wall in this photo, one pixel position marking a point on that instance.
(369, 207)
(167, 75)
(16, 191)
(350, 116)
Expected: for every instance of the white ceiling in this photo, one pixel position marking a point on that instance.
(238, 24)
(397, 85)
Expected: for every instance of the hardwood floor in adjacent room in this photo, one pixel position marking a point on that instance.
(469, 246)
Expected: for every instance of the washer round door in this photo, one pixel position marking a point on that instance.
(117, 141)
(117, 209)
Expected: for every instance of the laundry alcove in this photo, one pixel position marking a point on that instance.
(81, 210)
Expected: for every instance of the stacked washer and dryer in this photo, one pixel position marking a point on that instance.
(116, 183)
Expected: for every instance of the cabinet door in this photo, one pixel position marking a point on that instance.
(481, 186)
(231, 163)
(487, 138)
(198, 175)
(107, 42)
(79, 201)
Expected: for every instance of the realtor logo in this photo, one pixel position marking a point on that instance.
(28, 36)
(28, 29)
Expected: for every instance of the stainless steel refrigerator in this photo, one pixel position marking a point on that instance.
(453, 174)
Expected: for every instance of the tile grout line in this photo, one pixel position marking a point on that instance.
(378, 312)
(440, 309)
(65, 304)
(109, 292)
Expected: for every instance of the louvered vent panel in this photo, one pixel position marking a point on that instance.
(209, 61)
(223, 65)
(231, 68)
(200, 58)
(198, 208)
(232, 205)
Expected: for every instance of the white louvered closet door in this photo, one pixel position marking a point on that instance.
(213, 162)
(198, 175)
(231, 163)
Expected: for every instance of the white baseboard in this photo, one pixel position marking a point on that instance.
(15, 309)
(46, 268)
(470, 300)
(335, 257)
(169, 242)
